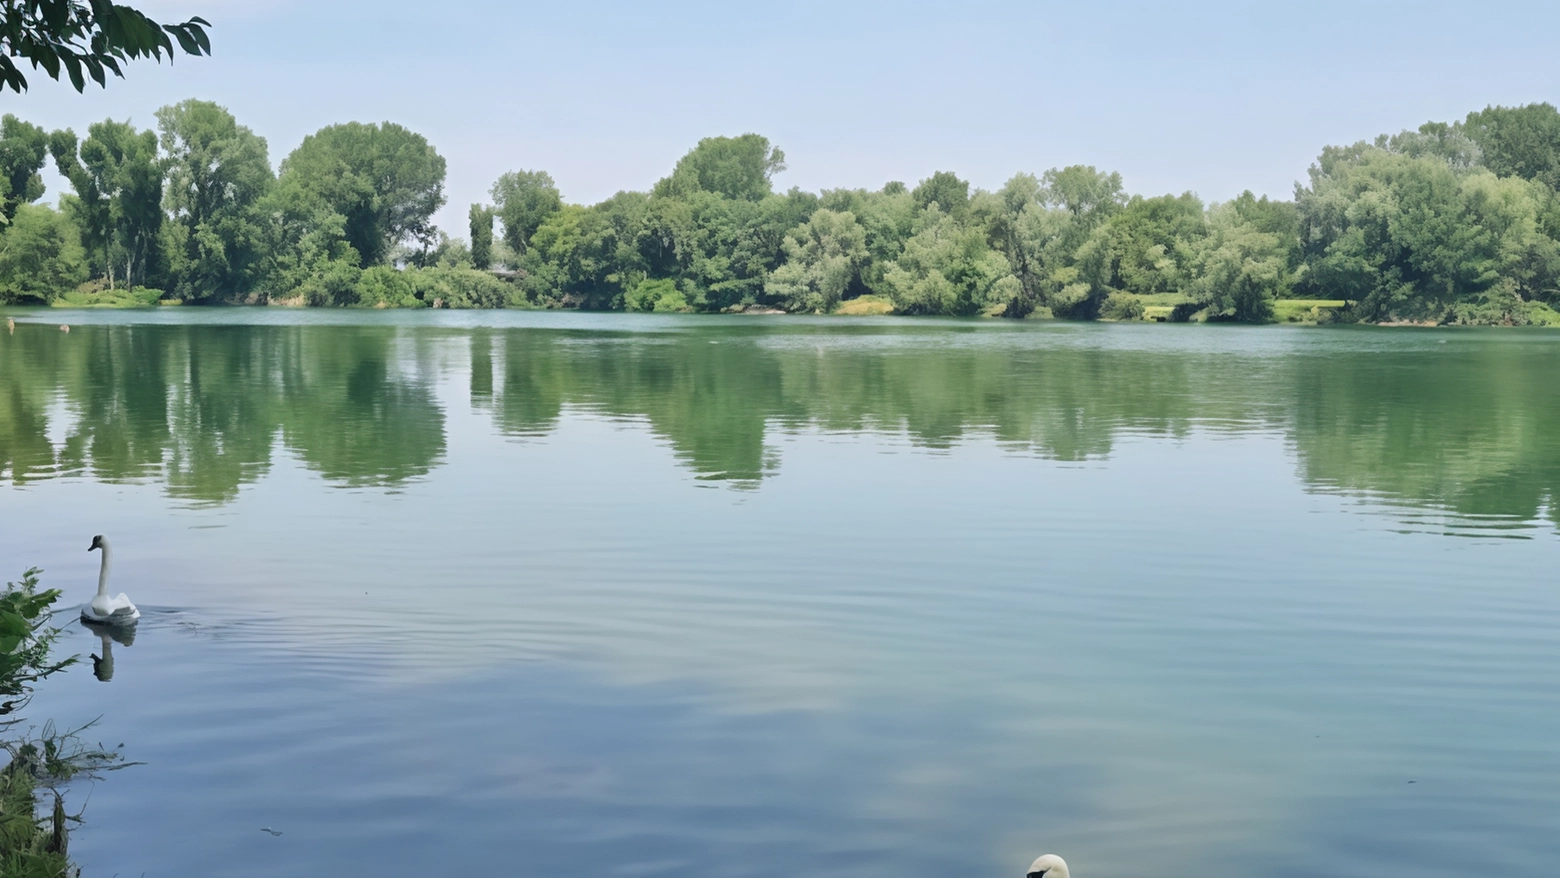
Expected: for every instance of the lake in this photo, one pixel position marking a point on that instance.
(477, 593)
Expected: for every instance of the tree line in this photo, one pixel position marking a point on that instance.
(1451, 223)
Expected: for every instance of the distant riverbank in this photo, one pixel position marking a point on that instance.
(1162, 309)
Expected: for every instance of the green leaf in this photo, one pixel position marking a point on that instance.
(73, 66)
(198, 27)
(185, 39)
(13, 625)
(56, 14)
(50, 62)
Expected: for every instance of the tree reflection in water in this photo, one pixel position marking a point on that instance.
(1464, 427)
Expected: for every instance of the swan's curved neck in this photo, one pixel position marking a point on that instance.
(103, 572)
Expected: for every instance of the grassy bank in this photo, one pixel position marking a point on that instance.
(139, 297)
(866, 306)
(1305, 310)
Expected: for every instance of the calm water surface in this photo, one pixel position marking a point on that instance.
(561, 594)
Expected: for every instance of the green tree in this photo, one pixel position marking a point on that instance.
(947, 268)
(1083, 192)
(118, 178)
(385, 181)
(588, 257)
(523, 200)
(887, 217)
(1414, 238)
(86, 39)
(945, 190)
(24, 147)
(1240, 269)
(1448, 143)
(740, 168)
(1524, 260)
(40, 256)
(566, 257)
(1041, 226)
(306, 251)
(88, 208)
(218, 171)
(1280, 218)
(824, 259)
(481, 236)
(1006, 216)
(719, 250)
(1519, 141)
(1146, 247)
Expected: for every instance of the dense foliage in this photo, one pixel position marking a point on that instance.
(1450, 223)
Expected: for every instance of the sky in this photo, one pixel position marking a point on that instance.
(1210, 97)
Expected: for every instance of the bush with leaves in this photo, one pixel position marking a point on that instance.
(40, 256)
(37, 764)
(656, 295)
(26, 639)
(1121, 306)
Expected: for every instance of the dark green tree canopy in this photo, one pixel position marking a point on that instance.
(24, 147)
(524, 199)
(736, 167)
(384, 180)
(481, 217)
(118, 178)
(218, 170)
(86, 39)
(41, 255)
(1519, 141)
(945, 190)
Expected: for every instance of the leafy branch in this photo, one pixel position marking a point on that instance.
(26, 639)
(86, 39)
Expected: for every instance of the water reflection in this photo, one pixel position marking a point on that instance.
(1467, 427)
(201, 408)
(108, 635)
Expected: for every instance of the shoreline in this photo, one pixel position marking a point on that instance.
(33, 315)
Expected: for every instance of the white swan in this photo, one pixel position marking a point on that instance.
(108, 610)
(1048, 866)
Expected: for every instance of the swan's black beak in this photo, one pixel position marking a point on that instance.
(1040, 874)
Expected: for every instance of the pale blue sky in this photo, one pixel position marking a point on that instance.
(1214, 97)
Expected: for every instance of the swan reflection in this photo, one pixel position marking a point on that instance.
(108, 635)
